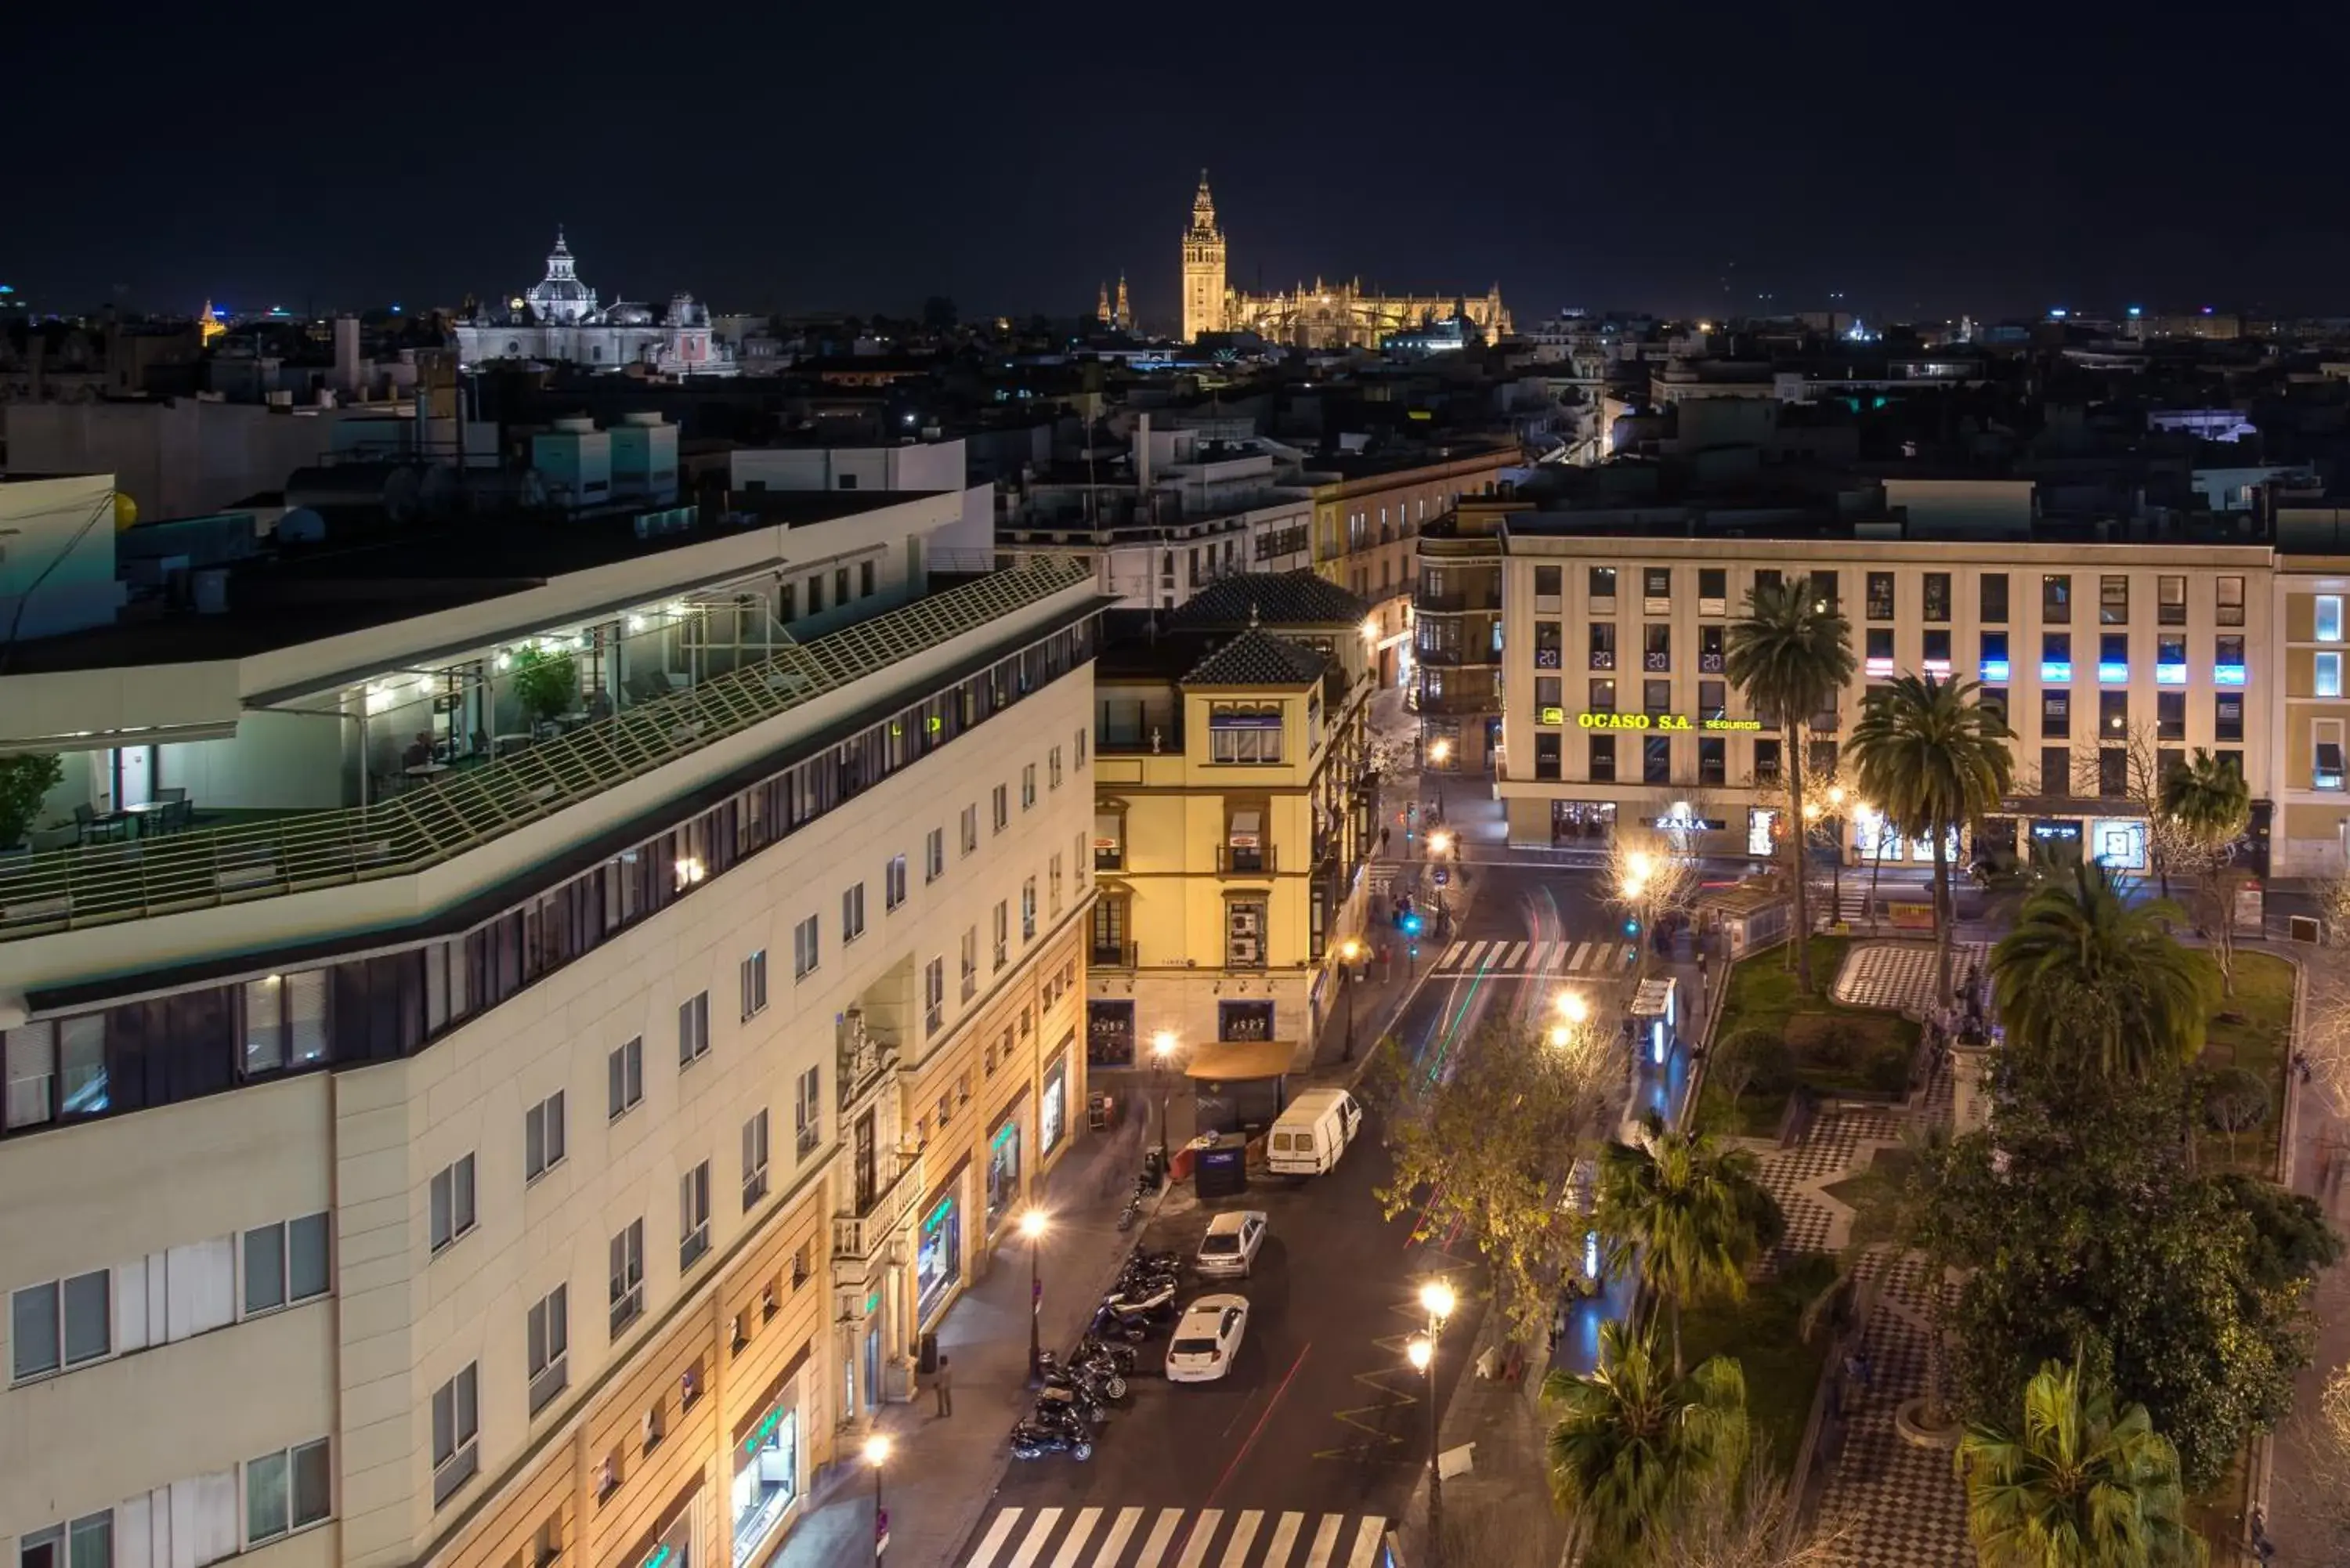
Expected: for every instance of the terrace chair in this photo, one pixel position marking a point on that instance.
(89, 826)
(178, 813)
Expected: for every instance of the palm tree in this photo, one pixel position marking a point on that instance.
(2086, 971)
(2209, 805)
(2078, 1486)
(1791, 654)
(1933, 758)
(1687, 1213)
(1632, 1444)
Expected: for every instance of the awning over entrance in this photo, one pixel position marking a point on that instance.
(1229, 1060)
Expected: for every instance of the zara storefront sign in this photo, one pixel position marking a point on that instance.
(1660, 722)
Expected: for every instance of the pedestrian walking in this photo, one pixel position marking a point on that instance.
(1383, 838)
(942, 1386)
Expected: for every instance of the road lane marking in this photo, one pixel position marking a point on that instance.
(1452, 954)
(1195, 1551)
(1285, 1536)
(1477, 955)
(993, 1542)
(1325, 1541)
(1517, 951)
(1236, 1551)
(1582, 950)
(1154, 1550)
(1367, 1542)
(1115, 1541)
(1075, 1542)
(1033, 1547)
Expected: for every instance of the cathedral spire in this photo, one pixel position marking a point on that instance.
(1101, 306)
(1123, 318)
(1203, 209)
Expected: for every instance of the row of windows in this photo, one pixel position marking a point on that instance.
(203, 1519)
(2057, 776)
(1935, 643)
(1934, 594)
(193, 1042)
(163, 1297)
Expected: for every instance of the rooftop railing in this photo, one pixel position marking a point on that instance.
(97, 884)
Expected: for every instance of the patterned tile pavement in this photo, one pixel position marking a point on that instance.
(1907, 1507)
(1900, 975)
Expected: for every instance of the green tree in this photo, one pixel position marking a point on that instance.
(1752, 1058)
(1933, 759)
(1791, 653)
(2088, 976)
(2234, 1100)
(544, 683)
(1688, 1214)
(2291, 1243)
(25, 779)
(1485, 1142)
(1634, 1443)
(2207, 805)
(2075, 1484)
(2086, 1232)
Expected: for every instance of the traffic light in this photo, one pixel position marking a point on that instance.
(1412, 926)
(1631, 928)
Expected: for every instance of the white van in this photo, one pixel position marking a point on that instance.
(1309, 1136)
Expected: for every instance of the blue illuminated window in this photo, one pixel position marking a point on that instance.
(1994, 656)
(2056, 656)
(2228, 662)
(2113, 657)
(2170, 660)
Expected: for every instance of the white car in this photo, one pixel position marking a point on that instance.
(1230, 1244)
(1207, 1339)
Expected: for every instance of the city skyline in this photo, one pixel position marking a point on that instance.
(1900, 170)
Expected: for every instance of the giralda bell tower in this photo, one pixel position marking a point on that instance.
(1203, 268)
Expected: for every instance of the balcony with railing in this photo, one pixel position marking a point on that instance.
(97, 884)
(858, 1230)
(1236, 861)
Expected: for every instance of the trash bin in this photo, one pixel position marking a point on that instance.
(1101, 1111)
(1221, 1169)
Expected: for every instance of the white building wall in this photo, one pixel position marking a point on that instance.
(366, 1142)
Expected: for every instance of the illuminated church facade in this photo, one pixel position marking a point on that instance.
(558, 320)
(1321, 316)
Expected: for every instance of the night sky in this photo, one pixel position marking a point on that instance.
(1985, 158)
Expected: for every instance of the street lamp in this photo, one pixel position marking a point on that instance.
(876, 1454)
(1573, 1007)
(1350, 953)
(1162, 1051)
(1031, 1225)
(1436, 1297)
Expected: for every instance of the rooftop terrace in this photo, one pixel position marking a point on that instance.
(98, 884)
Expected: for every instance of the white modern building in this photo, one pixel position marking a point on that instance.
(448, 931)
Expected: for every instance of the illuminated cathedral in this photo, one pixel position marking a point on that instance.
(1320, 315)
(558, 320)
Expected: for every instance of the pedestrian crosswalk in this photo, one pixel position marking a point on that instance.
(1179, 1538)
(1593, 958)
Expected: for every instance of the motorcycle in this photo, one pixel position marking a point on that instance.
(1106, 1325)
(1100, 1379)
(1092, 1349)
(1128, 1215)
(1153, 1305)
(1138, 1280)
(1030, 1440)
(1067, 1402)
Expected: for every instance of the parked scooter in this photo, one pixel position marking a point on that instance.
(1034, 1441)
(1108, 1325)
(1091, 1347)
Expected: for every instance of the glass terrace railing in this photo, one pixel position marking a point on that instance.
(97, 884)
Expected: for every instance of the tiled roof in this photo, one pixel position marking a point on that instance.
(1258, 657)
(1271, 598)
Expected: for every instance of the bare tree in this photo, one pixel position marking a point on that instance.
(2170, 849)
(1747, 1520)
